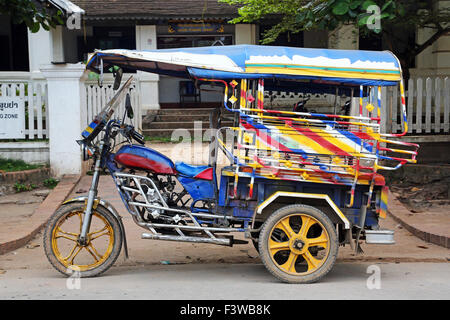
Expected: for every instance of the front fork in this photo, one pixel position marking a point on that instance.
(91, 197)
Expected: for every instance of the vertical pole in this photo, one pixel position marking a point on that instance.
(66, 116)
(147, 84)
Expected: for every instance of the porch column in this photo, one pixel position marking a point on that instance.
(45, 47)
(67, 116)
(40, 51)
(149, 82)
(344, 37)
(245, 34)
(57, 45)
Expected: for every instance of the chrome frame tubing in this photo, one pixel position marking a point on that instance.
(178, 228)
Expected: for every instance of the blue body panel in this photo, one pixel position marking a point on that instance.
(188, 169)
(198, 189)
(244, 207)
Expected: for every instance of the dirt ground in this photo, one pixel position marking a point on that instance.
(425, 192)
(423, 197)
(407, 248)
(18, 207)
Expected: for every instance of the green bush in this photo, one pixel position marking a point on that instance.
(21, 187)
(10, 165)
(50, 183)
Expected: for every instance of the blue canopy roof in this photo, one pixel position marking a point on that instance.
(327, 66)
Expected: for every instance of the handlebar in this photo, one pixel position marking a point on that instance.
(138, 137)
(129, 132)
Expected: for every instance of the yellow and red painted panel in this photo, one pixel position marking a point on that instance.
(382, 209)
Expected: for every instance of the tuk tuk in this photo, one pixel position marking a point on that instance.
(299, 184)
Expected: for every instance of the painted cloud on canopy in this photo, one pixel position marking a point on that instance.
(321, 61)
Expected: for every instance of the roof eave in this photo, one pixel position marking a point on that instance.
(158, 17)
(67, 7)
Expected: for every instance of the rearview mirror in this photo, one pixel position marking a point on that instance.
(128, 107)
(117, 78)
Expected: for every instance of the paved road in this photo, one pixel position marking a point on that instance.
(231, 281)
(214, 272)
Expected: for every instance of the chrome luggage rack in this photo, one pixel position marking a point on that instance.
(312, 147)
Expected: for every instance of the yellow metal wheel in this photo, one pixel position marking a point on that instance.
(298, 244)
(67, 254)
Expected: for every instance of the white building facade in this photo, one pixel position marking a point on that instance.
(55, 58)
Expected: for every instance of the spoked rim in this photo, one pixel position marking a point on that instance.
(69, 260)
(299, 244)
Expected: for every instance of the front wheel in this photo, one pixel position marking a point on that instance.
(298, 244)
(64, 250)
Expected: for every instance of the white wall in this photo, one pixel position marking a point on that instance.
(30, 151)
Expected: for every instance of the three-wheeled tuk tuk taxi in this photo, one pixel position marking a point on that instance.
(299, 184)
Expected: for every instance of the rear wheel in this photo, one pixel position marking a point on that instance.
(298, 244)
(67, 254)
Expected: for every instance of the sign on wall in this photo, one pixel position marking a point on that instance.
(12, 118)
(195, 28)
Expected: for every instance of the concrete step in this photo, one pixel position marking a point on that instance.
(171, 119)
(184, 111)
(167, 133)
(192, 111)
(180, 125)
(186, 117)
(182, 118)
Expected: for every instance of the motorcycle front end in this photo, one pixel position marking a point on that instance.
(86, 234)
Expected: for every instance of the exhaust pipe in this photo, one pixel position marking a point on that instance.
(221, 241)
